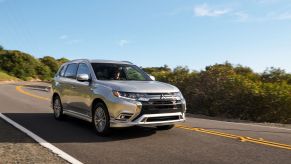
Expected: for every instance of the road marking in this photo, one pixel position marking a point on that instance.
(41, 141)
(263, 126)
(246, 124)
(19, 89)
(240, 138)
(226, 135)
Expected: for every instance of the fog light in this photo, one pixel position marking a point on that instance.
(124, 116)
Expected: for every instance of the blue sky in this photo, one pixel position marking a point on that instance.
(254, 33)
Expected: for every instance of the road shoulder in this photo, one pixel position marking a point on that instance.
(17, 147)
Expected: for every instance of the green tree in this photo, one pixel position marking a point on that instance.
(43, 72)
(18, 64)
(52, 63)
(1, 48)
(62, 60)
(273, 75)
(161, 73)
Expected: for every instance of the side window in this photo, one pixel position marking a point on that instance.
(62, 71)
(71, 71)
(83, 69)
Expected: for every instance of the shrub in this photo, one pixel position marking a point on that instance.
(232, 91)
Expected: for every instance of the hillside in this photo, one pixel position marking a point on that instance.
(6, 77)
(25, 66)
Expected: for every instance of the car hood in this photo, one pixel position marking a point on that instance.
(140, 86)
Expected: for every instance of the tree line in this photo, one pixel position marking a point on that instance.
(224, 90)
(232, 91)
(26, 67)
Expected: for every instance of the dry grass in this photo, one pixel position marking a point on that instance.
(6, 77)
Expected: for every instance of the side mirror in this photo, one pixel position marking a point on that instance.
(83, 77)
(152, 77)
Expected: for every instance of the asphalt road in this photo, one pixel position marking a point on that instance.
(196, 141)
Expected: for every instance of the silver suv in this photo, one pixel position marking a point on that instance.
(115, 94)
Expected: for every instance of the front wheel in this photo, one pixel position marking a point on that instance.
(165, 127)
(58, 108)
(101, 119)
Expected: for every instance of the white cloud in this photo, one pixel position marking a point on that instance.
(68, 40)
(205, 10)
(73, 41)
(63, 37)
(242, 16)
(123, 42)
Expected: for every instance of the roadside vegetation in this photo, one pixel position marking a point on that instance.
(224, 90)
(5, 77)
(26, 67)
(232, 91)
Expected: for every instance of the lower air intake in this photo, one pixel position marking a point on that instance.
(165, 118)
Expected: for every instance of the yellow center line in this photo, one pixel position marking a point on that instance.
(240, 138)
(211, 132)
(19, 89)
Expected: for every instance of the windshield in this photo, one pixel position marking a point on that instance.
(111, 71)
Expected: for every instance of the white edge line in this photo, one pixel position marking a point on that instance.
(42, 142)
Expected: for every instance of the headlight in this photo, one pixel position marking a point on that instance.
(178, 94)
(130, 95)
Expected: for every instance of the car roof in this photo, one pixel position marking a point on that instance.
(100, 61)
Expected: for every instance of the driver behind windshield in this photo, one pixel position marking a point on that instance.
(117, 74)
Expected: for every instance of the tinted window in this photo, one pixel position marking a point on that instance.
(83, 69)
(62, 71)
(119, 72)
(71, 71)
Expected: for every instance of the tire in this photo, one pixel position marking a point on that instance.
(101, 120)
(58, 108)
(165, 127)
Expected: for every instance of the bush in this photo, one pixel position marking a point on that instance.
(44, 72)
(232, 91)
(51, 63)
(26, 67)
(18, 64)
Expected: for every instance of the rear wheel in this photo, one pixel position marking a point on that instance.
(165, 127)
(101, 119)
(58, 108)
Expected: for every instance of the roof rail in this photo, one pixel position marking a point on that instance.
(78, 60)
(127, 62)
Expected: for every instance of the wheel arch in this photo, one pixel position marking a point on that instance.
(55, 95)
(96, 101)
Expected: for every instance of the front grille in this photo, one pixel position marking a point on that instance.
(152, 107)
(158, 106)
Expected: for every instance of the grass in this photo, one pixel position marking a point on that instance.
(5, 77)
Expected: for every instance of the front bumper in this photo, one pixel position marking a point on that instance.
(150, 120)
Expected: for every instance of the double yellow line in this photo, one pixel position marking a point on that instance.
(211, 132)
(237, 137)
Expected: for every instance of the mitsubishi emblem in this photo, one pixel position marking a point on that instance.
(162, 97)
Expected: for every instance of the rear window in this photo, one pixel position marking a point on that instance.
(71, 71)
